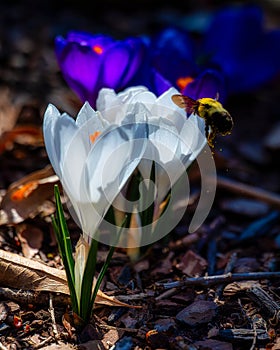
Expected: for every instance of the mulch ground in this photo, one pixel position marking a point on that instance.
(217, 288)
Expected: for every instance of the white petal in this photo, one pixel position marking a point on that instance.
(166, 108)
(50, 118)
(164, 136)
(128, 94)
(136, 113)
(110, 106)
(113, 158)
(107, 98)
(166, 99)
(163, 149)
(86, 113)
(145, 97)
(58, 131)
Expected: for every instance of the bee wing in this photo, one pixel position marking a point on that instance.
(185, 102)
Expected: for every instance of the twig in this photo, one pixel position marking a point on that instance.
(207, 281)
(32, 297)
(139, 296)
(255, 319)
(43, 343)
(186, 241)
(260, 227)
(102, 324)
(244, 334)
(51, 310)
(108, 327)
(255, 337)
(168, 293)
(250, 191)
(212, 230)
(266, 303)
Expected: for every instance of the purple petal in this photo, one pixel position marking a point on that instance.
(173, 54)
(90, 62)
(160, 85)
(59, 43)
(136, 48)
(208, 84)
(80, 67)
(115, 65)
(87, 39)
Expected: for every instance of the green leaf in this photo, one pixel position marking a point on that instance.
(87, 283)
(147, 197)
(65, 247)
(107, 262)
(110, 216)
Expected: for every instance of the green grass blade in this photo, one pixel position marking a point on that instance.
(64, 230)
(147, 197)
(88, 277)
(106, 264)
(65, 247)
(110, 216)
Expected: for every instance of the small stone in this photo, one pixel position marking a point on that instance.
(200, 311)
(192, 264)
(165, 325)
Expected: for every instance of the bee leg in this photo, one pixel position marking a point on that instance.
(211, 138)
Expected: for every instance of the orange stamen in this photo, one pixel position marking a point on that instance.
(24, 191)
(94, 136)
(97, 49)
(182, 82)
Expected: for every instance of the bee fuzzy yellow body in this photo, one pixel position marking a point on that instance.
(207, 106)
(217, 118)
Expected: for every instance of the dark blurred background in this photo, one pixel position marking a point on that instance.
(117, 17)
(29, 68)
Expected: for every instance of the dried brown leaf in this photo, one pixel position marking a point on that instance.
(24, 198)
(27, 274)
(25, 135)
(31, 239)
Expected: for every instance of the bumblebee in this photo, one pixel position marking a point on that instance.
(217, 119)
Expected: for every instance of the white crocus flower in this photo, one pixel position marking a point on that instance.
(174, 140)
(95, 155)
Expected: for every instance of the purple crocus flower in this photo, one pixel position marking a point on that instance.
(173, 54)
(236, 44)
(239, 45)
(91, 62)
(209, 83)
